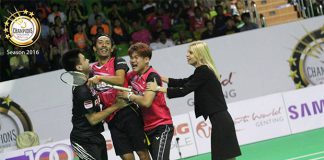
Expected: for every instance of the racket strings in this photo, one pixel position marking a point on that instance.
(79, 79)
(74, 78)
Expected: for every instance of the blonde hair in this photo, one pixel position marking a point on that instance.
(201, 52)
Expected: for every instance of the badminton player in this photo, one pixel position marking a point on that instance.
(126, 125)
(86, 140)
(156, 115)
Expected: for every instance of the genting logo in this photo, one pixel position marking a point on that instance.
(227, 80)
(58, 152)
(182, 136)
(181, 129)
(203, 130)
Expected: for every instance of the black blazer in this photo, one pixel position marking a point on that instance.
(208, 94)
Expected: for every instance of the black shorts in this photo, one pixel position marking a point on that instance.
(127, 131)
(160, 139)
(90, 147)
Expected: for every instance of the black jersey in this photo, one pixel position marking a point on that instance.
(85, 100)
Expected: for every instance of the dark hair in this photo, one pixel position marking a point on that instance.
(57, 5)
(97, 16)
(57, 17)
(141, 49)
(208, 21)
(99, 27)
(106, 35)
(70, 59)
(94, 4)
(245, 15)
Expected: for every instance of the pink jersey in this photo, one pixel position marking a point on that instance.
(156, 115)
(107, 95)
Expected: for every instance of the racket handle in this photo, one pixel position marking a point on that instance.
(122, 88)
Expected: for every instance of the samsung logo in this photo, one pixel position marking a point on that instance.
(306, 110)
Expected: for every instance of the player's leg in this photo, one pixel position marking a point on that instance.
(121, 143)
(135, 130)
(127, 156)
(160, 138)
(90, 148)
(143, 155)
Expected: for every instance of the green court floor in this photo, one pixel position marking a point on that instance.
(302, 146)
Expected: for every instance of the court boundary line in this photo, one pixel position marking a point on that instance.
(317, 158)
(307, 155)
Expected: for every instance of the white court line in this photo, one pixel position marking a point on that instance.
(317, 158)
(307, 155)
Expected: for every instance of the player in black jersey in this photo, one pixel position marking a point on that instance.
(87, 116)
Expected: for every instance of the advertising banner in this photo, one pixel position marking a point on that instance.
(56, 150)
(305, 108)
(183, 141)
(202, 132)
(259, 118)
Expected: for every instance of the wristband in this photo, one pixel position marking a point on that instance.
(129, 96)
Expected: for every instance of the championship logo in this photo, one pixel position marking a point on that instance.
(13, 121)
(22, 28)
(307, 61)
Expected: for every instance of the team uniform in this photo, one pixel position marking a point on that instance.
(86, 140)
(125, 125)
(158, 123)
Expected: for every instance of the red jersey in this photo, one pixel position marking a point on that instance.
(108, 95)
(159, 113)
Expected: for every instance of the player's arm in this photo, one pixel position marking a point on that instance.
(118, 79)
(147, 99)
(90, 104)
(165, 79)
(144, 101)
(96, 117)
(200, 77)
(121, 69)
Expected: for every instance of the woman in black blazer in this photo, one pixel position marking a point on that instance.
(209, 100)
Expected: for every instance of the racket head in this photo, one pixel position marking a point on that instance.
(73, 78)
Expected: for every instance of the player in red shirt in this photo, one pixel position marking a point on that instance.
(156, 115)
(126, 125)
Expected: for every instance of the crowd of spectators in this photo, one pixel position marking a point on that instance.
(70, 24)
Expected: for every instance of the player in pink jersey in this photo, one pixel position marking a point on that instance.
(126, 125)
(156, 115)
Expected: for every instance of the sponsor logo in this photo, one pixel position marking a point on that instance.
(13, 121)
(181, 136)
(307, 61)
(229, 90)
(203, 129)
(227, 83)
(21, 28)
(59, 151)
(306, 110)
(182, 128)
(259, 119)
